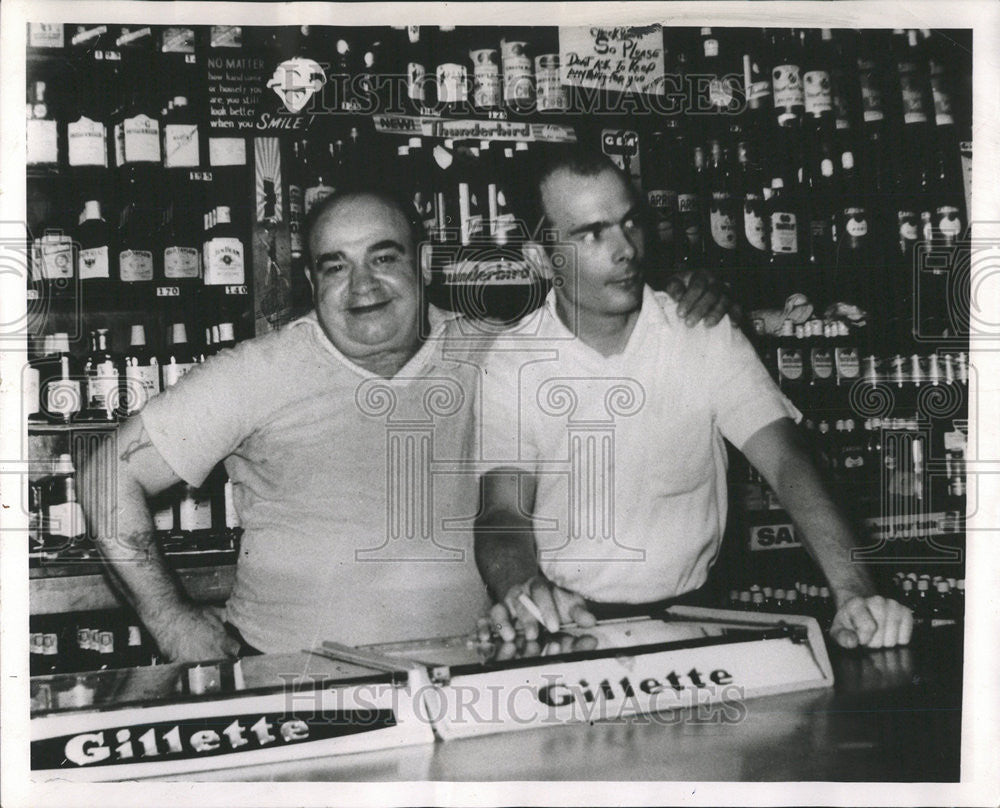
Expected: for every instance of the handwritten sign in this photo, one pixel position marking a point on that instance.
(623, 59)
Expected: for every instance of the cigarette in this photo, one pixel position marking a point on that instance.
(535, 612)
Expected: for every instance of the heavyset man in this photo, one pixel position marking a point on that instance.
(330, 430)
(604, 462)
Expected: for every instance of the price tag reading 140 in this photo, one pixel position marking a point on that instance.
(239, 289)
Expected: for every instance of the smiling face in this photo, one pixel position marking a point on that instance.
(366, 287)
(597, 261)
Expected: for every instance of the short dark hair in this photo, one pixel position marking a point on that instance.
(584, 161)
(353, 191)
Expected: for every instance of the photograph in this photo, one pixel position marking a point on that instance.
(499, 403)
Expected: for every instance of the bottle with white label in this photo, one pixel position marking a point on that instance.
(52, 257)
(818, 58)
(516, 51)
(412, 64)
(181, 139)
(854, 266)
(484, 61)
(142, 371)
(194, 513)
(136, 239)
(96, 260)
(550, 93)
(87, 126)
(181, 254)
(223, 253)
(451, 70)
(723, 211)
(784, 224)
(178, 358)
(102, 373)
(66, 525)
(137, 125)
(788, 93)
(43, 133)
(752, 227)
(60, 375)
(661, 197)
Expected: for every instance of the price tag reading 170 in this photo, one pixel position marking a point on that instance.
(236, 290)
(168, 291)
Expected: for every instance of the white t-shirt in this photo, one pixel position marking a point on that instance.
(628, 450)
(356, 509)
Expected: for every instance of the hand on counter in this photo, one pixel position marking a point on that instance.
(873, 622)
(534, 602)
(197, 633)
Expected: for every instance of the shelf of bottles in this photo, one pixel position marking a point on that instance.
(830, 163)
(139, 268)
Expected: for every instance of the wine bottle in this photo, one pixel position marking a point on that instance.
(661, 197)
(87, 126)
(550, 94)
(484, 58)
(137, 125)
(43, 133)
(141, 371)
(451, 70)
(788, 93)
(181, 255)
(223, 252)
(102, 374)
(96, 253)
(60, 374)
(518, 70)
(723, 212)
(136, 235)
(181, 140)
(179, 358)
(66, 526)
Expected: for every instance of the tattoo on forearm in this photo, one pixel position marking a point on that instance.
(135, 447)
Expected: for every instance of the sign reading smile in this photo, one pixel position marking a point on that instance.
(296, 81)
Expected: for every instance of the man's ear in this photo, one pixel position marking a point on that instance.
(425, 250)
(309, 278)
(538, 259)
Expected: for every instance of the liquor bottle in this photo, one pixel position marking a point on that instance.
(914, 82)
(87, 126)
(322, 180)
(444, 184)
(233, 526)
(52, 255)
(43, 134)
(819, 191)
(550, 94)
(450, 70)
(689, 205)
(135, 654)
(788, 93)
(752, 229)
(518, 69)
(136, 237)
(180, 251)
(60, 374)
(96, 253)
(371, 93)
(194, 516)
(790, 361)
(844, 89)
(757, 84)
(415, 64)
(51, 662)
(105, 651)
(723, 212)
(137, 125)
(821, 359)
(227, 337)
(36, 542)
(871, 50)
(818, 58)
(471, 192)
(661, 197)
(142, 371)
(783, 224)
(102, 375)
(181, 140)
(66, 525)
(223, 253)
(854, 243)
(484, 57)
(422, 188)
(179, 358)
(722, 89)
(296, 201)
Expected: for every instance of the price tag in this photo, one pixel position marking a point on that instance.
(111, 56)
(238, 289)
(498, 115)
(190, 59)
(32, 294)
(168, 291)
(200, 176)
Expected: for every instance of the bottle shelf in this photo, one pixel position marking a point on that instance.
(46, 428)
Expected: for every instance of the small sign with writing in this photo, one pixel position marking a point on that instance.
(623, 58)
